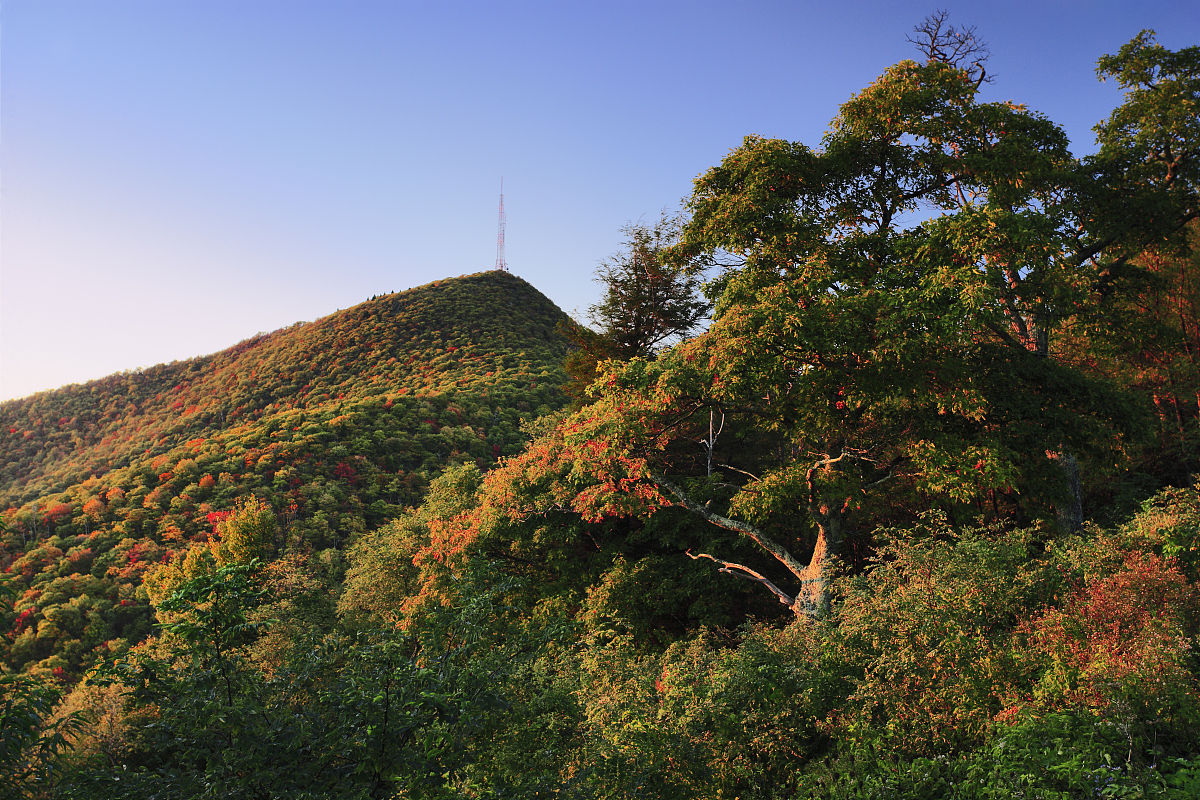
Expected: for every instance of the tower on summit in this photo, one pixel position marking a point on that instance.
(500, 262)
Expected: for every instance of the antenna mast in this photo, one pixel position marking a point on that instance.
(500, 262)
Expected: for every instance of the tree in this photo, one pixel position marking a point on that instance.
(1141, 192)
(356, 714)
(1166, 362)
(958, 47)
(887, 326)
(648, 302)
(1148, 166)
(1149, 340)
(30, 737)
(245, 534)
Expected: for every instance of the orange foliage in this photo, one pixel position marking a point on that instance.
(575, 468)
(1128, 628)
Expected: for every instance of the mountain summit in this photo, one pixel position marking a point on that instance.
(490, 329)
(337, 424)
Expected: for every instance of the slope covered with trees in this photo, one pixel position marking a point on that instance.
(843, 543)
(337, 423)
(477, 331)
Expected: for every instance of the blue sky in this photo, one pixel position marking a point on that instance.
(178, 175)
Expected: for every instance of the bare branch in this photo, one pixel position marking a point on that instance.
(749, 475)
(754, 534)
(711, 441)
(745, 572)
(880, 481)
(961, 48)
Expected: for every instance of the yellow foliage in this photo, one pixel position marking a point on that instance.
(246, 534)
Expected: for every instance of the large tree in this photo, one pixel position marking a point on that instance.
(886, 326)
(648, 300)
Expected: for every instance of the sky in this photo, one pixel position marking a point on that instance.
(179, 175)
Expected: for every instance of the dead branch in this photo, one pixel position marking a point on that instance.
(754, 534)
(742, 571)
(961, 48)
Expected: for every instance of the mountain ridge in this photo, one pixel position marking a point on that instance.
(338, 424)
(177, 395)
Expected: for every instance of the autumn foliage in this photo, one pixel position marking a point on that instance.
(905, 520)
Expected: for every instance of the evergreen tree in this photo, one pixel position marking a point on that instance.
(648, 303)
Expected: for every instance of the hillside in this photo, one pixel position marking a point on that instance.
(338, 423)
(477, 331)
(892, 526)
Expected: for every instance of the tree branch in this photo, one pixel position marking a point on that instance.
(737, 526)
(749, 475)
(745, 572)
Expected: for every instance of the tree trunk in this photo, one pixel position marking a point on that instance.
(1070, 510)
(813, 597)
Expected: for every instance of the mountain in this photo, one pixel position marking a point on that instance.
(337, 423)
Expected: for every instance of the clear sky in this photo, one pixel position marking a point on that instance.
(177, 175)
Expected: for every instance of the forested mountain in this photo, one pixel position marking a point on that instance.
(481, 332)
(897, 523)
(338, 423)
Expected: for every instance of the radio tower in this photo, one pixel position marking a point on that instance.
(500, 262)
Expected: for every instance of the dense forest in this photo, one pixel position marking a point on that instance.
(338, 424)
(902, 506)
